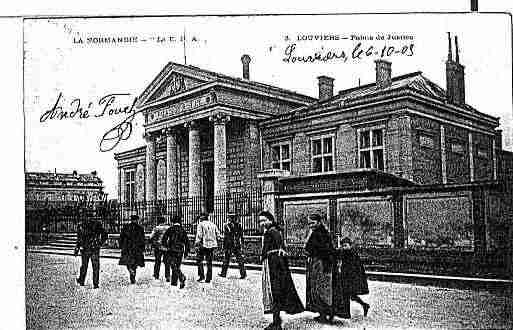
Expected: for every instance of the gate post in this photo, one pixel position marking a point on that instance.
(271, 189)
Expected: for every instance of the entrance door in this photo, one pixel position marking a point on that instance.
(208, 185)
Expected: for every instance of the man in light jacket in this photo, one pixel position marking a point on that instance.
(207, 235)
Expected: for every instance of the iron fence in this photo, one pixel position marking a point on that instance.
(64, 216)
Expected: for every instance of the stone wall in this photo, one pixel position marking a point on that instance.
(457, 151)
(235, 156)
(301, 157)
(483, 156)
(346, 148)
(426, 151)
(398, 147)
(439, 220)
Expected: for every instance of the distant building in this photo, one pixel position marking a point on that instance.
(62, 187)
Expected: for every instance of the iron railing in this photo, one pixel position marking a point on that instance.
(64, 216)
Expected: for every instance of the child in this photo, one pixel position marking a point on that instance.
(354, 279)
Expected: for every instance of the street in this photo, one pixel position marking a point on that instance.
(55, 301)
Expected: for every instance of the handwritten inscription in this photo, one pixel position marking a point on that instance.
(108, 105)
(112, 104)
(358, 52)
(115, 104)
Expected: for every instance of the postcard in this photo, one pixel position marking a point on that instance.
(268, 171)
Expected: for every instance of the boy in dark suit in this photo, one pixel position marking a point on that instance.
(354, 279)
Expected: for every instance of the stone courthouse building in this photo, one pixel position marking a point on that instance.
(395, 163)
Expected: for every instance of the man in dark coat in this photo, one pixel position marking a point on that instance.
(131, 243)
(233, 241)
(90, 237)
(158, 250)
(176, 243)
(352, 273)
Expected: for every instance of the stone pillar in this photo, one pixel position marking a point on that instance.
(479, 197)
(398, 221)
(443, 154)
(252, 149)
(471, 156)
(219, 153)
(194, 160)
(271, 190)
(171, 165)
(151, 168)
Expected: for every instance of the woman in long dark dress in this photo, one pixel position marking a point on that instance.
(352, 272)
(131, 243)
(323, 296)
(279, 292)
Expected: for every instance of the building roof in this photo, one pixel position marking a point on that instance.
(53, 177)
(414, 81)
(210, 76)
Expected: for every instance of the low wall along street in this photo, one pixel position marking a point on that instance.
(458, 229)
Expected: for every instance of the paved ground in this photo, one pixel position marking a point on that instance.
(54, 301)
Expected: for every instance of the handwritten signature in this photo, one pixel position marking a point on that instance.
(107, 105)
(358, 52)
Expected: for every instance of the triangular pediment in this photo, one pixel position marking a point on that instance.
(174, 79)
(174, 84)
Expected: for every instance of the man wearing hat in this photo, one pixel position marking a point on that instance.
(176, 243)
(233, 241)
(90, 237)
(158, 248)
(131, 243)
(207, 234)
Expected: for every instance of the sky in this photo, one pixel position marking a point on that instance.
(56, 64)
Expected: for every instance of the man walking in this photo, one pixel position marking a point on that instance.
(207, 234)
(90, 237)
(177, 246)
(158, 249)
(233, 242)
(131, 243)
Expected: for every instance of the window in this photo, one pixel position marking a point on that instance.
(370, 145)
(426, 141)
(130, 187)
(457, 148)
(482, 151)
(322, 154)
(281, 156)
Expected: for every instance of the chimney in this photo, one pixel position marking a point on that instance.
(245, 66)
(383, 73)
(325, 87)
(455, 75)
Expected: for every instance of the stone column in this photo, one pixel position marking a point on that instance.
(219, 152)
(151, 168)
(121, 188)
(171, 173)
(194, 160)
(171, 165)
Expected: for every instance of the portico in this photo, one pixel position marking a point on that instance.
(202, 135)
